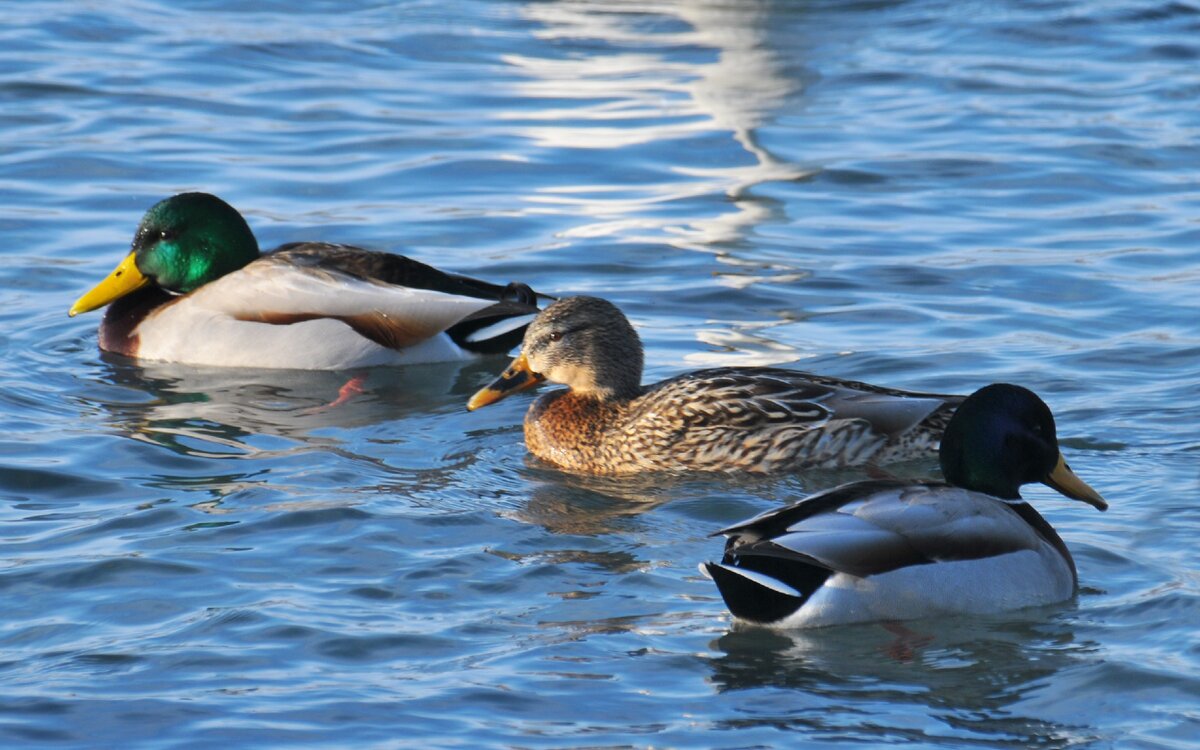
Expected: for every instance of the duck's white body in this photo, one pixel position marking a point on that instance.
(973, 587)
(276, 313)
(891, 551)
(311, 345)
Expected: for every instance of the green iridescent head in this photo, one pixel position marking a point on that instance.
(1003, 436)
(183, 243)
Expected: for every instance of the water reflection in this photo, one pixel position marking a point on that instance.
(213, 412)
(616, 94)
(570, 504)
(752, 79)
(973, 673)
(564, 503)
(292, 449)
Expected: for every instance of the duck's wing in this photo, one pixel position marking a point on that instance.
(740, 397)
(765, 419)
(492, 329)
(400, 270)
(363, 289)
(869, 528)
(766, 395)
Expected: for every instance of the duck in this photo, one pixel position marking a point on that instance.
(898, 550)
(725, 419)
(195, 289)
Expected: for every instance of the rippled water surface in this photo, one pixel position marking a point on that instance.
(931, 195)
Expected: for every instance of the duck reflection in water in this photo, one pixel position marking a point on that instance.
(268, 421)
(987, 668)
(234, 403)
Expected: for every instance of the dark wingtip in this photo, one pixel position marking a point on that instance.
(749, 600)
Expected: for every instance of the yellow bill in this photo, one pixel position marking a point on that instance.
(1064, 480)
(124, 279)
(516, 377)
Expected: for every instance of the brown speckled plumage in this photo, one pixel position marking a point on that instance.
(724, 419)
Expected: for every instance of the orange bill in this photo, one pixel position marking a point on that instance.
(124, 279)
(516, 377)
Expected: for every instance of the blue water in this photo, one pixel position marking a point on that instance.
(931, 195)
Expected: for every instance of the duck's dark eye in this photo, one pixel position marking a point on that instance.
(556, 335)
(166, 234)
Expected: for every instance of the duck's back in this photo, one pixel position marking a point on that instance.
(396, 270)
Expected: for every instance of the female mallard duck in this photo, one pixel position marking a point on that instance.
(892, 550)
(194, 289)
(754, 419)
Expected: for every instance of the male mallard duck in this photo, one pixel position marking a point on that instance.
(194, 289)
(755, 419)
(892, 550)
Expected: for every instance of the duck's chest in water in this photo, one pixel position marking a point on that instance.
(576, 433)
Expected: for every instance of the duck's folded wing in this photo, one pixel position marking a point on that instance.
(742, 398)
(493, 329)
(777, 520)
(888, 530)
(276, 292)
(739, 397)
(888, 411)
(888, 414)
(399, 270)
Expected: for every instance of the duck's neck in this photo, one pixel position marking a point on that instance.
(119, 329)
